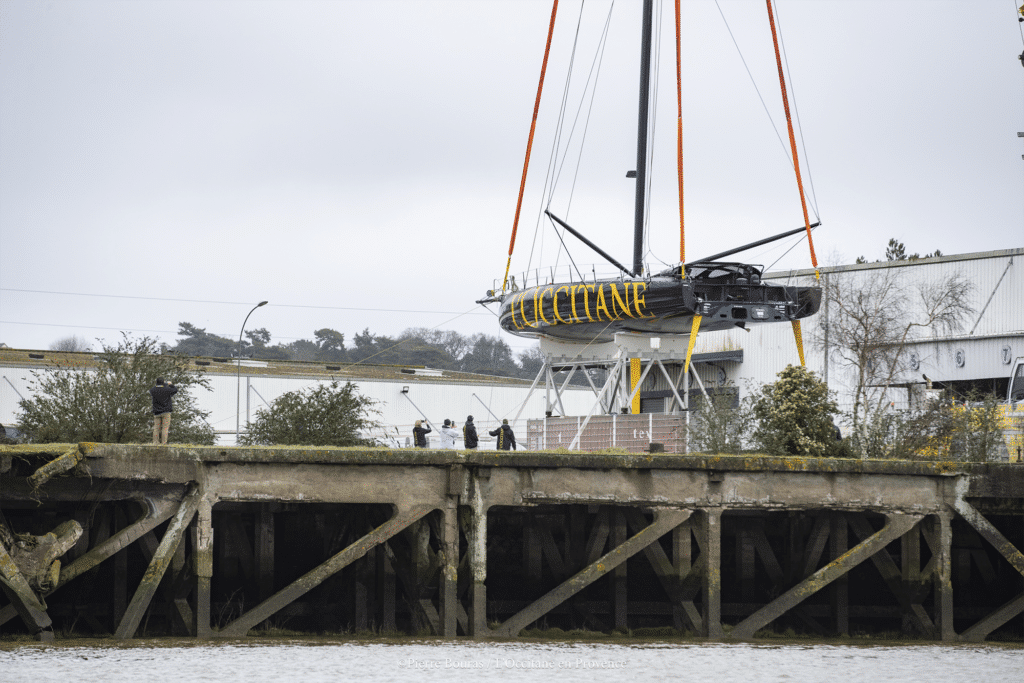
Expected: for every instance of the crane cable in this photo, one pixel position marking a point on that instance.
(679, 139)
(792, 139)
(529, 144)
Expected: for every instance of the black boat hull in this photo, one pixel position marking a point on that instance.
(724, 295)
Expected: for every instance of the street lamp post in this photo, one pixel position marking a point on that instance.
(238, 388)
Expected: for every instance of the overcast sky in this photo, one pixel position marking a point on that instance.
(357, 163)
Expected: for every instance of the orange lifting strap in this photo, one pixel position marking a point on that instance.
(792, 138)
(529, 144)
(679, 138)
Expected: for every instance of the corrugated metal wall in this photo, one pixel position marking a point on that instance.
(998, 326)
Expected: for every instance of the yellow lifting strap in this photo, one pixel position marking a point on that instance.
(693, 341)
(634, 378)
(799, 341)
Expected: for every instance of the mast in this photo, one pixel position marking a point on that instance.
(641, 138)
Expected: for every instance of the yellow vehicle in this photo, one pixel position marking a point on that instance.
(1013, 413)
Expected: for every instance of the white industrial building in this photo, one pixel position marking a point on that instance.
(979, 356)
(403, 395)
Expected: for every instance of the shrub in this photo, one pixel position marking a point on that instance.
(794, 416)
(325, 415)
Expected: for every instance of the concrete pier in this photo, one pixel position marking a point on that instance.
(221, 542)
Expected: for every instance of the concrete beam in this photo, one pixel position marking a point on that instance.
(67, 460)
(23, 598)
(158, 511)
(155, 572)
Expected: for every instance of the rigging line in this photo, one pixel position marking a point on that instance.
(230, 303)
(796, 113)
(567, 254)
(792, 139)
(783, 255)
(679, 137)
(529, 144)
(552, 157)
(593, 75)
(754, 83)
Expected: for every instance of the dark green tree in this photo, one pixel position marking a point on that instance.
(490, 356)
(530, 362)
(111, 403)
(259, 347)
(198, 342)
(330, 345)
(895, 251)
(302, 349)
(794, 416)
(324, 415)
(260, 337)
(375, 350)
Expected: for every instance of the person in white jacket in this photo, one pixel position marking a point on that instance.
(449, 435)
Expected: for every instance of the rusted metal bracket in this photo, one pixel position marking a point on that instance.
(403, 518)
(895, 526)
(664, 521)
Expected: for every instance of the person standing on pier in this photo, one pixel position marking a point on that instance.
(506, 439)
(469, 434)
(419, 434)
(449, 435)
(162, 409)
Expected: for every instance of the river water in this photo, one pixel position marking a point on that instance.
(322, 659)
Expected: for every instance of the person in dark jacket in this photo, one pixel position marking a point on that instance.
(162, 409)
(469, 434)
(506, 439)
(419, 434)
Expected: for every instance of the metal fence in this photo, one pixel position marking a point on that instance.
(634, 433)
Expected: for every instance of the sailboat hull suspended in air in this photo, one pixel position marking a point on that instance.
(725, 295)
